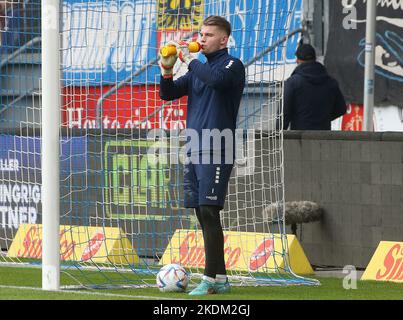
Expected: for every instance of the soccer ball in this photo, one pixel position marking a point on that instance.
(172, 278)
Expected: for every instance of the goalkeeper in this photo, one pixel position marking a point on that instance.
(214, 91)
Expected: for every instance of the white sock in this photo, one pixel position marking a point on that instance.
(209, 279)
(221, 278)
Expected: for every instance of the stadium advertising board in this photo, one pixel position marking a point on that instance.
(104, 42)
(244, 251)
(77, 243)
(386, 118)
(142, 189)
(20, 178)
(131, 107)
(135, 175)
(386, 263)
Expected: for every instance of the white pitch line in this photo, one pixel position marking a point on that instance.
(90, 293)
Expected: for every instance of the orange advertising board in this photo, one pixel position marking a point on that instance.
(386, 263)
(77, 243)
(354, 118)
(244, 251)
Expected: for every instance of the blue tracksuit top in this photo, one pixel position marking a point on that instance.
(214, 91)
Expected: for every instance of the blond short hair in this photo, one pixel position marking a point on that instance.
(219, 22)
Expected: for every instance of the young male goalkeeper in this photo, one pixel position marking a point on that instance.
(214, 91)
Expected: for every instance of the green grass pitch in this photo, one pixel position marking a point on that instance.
(25, 283)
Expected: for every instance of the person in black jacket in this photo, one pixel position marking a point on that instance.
(214, 91)
(312, 99)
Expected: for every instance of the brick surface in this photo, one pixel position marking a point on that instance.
(366, 175)
(397, 169)
(375, 173)
(355, 151)
(366, 151)
(375, 152)
(359, 183)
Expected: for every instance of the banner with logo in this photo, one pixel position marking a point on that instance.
(345, 57)
(243, 251)
(386, 263)
(77, 243)
(131, 107)
(386, 118)
(20, 178)
(108, 41)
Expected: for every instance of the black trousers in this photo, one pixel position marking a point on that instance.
(209, 219)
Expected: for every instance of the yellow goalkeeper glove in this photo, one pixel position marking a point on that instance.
(167, 62)
(184, 53)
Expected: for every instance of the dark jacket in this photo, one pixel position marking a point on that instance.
(214, 91)
(312, 99)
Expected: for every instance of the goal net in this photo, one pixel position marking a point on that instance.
(121, 156)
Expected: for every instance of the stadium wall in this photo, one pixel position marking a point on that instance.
(357, 179)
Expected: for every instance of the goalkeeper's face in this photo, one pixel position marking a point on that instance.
(212, 39)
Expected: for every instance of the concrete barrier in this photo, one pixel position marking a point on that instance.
(357, 179)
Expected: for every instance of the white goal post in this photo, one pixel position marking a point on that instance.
(51, 102)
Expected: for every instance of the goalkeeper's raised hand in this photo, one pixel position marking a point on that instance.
(184, 54)
(167, 63)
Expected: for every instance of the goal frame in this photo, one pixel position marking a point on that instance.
(51, 107)
(50, 155)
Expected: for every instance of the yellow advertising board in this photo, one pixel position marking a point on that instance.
(244, 251)
(386, 263)
(77, 243)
